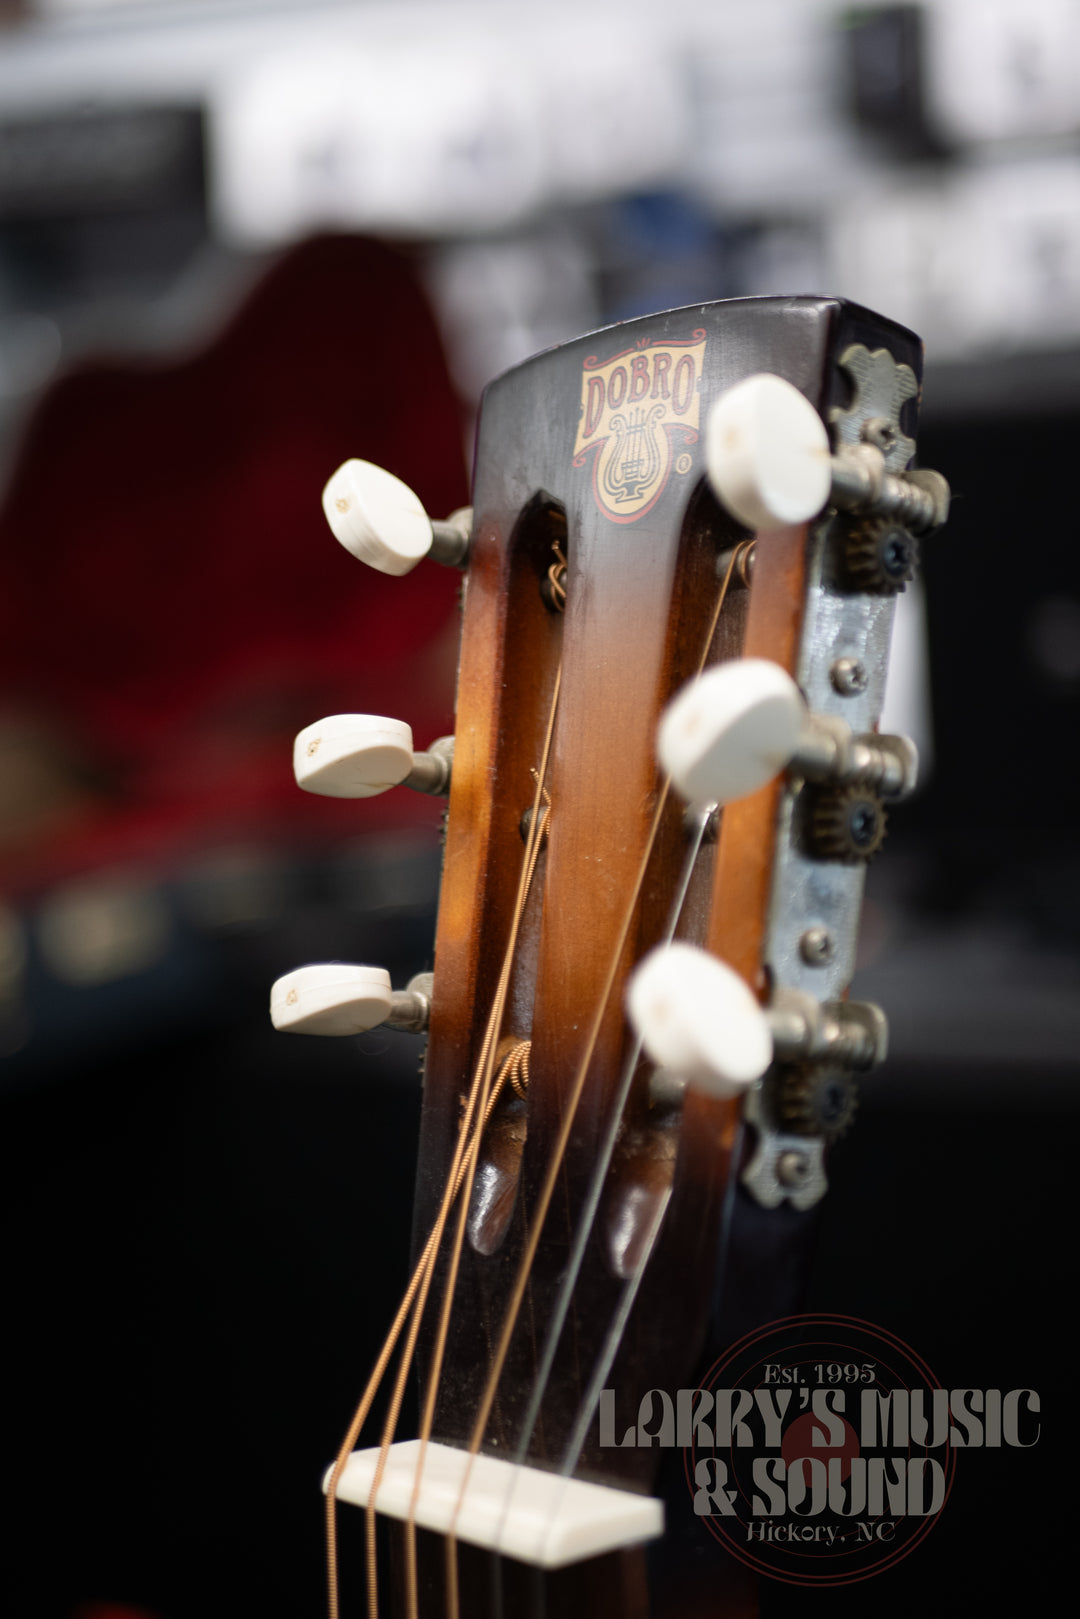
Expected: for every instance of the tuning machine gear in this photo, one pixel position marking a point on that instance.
(816, 1101)
(880, 556)
(844, 823)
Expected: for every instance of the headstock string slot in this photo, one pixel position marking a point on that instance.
(598, 1176)
(483, 1093)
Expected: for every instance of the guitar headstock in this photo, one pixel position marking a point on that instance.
(639, 1043)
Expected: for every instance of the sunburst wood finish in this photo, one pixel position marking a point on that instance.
(639, 598)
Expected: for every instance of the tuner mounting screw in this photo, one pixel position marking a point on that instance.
(880, 431)
(846, 824)
(849, 677)
(817, 1101)
(817, 947)
(792, 1168)
(880, 556)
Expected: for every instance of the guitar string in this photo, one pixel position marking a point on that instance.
(541, 809)
(516, 1060)
(597, 1179)
(457, 1173)
(604, 1361)
(482, 1092)
(425, 1266)
(584, 1231)
(537, 830)
(569, 1113)
(598, 1381)
(603, 1162)
(602, 1369)
(516, 1068)
(556, 576)
(486, 1097)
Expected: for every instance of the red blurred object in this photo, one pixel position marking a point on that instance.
(172, 605)
(111, 1610)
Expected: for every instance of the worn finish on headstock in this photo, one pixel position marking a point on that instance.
(641, 584)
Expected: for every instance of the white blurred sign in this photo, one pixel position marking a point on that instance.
(1004, 69)
(470, 133)
(1022, 272)
(986, 259)
(901, 251)
(772, 134)
(378, 135)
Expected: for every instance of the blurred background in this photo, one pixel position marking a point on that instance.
(241, 241)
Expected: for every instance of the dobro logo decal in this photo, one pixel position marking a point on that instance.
(635, 409)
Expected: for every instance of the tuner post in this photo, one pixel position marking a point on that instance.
(829, 751)
(860, 484)
(431, 769)
(842, 1034)
(450, 537)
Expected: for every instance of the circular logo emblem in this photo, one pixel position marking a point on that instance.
(820, 1451)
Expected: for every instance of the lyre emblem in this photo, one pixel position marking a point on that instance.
(638, 456)
(632, 408)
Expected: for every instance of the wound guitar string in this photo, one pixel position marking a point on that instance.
(537, 831)
(481, 1100)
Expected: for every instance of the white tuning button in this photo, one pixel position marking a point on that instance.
(362, 755)
(352, 755)
(332, 997)
(697, 1019)
(336, 997)
(767, 453)
(731, 730)
(379, 520)
(734, 728)
(377, 517)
